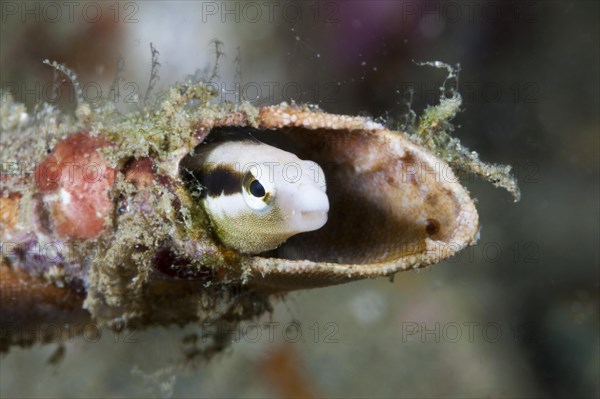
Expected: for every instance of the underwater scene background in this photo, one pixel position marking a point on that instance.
(516, 315)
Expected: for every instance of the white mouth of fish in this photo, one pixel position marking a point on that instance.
(315, 215)
(313, 220)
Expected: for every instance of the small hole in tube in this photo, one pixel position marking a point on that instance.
(432, 227)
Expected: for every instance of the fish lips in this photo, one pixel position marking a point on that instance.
(306, 208)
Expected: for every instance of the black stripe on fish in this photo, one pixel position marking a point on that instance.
(221, 180)
(202, 179)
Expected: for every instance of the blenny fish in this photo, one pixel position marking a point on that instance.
(256, 195)
(191, 211)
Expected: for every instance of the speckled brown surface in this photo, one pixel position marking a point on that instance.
(145, 229)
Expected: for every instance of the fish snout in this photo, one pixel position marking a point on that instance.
(308, 208)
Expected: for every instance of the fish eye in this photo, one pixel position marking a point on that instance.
(255, 194)
(257, 189)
